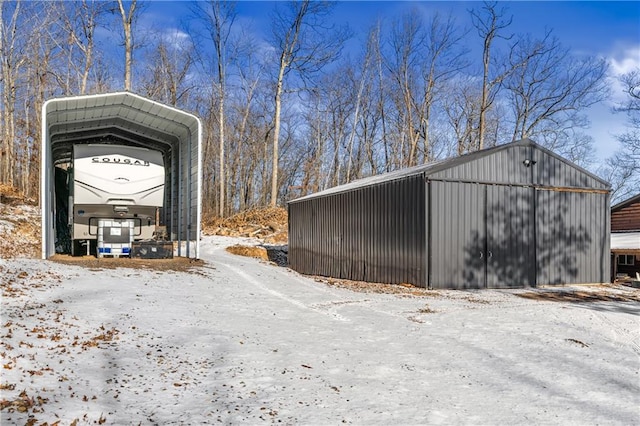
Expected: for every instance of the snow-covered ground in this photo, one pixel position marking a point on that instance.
(241, 341)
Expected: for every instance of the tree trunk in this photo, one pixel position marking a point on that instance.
(127, 24)
(276, 134)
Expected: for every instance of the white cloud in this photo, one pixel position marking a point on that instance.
(625, 61)
(621, 62)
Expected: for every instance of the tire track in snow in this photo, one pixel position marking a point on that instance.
(281, 296)
(621, 335)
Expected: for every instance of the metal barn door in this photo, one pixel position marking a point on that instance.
(572, 231)
(481, 236)
(457, 235)
(510, 239)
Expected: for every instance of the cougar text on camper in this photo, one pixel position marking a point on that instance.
(116, 160)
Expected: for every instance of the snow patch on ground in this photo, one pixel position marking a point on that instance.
(243, 341)
(6, 227)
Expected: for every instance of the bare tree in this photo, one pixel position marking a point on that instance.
(461, 107)
(219, 17)
(128, 19)
(623, 168)
(13, 59)
(364, 77)
(251, 120)
(550, 89)
(27, 51)
(424, 54)
(630, 139)
(489, 22)
(43, 51)
(304, 44)
(169, 65)
(622, 172)
(372, 122)
(444, 59)
(80, 20)
(407, 42)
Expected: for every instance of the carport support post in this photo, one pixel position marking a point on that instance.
(46, 176)
(172, 215)
(427, 212)
(180, 198)
(189, 202)
(199, 189)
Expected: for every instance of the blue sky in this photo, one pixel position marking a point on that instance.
(610, 29)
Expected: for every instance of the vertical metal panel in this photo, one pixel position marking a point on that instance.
(506, 167)
(510, 237)
(503, 167)
(572, 241)
(373, 233)
(457, 249)
(482, 236)
(552, 171)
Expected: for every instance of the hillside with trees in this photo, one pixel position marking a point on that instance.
(298, 111)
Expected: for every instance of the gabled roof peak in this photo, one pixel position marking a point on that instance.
(435, 167)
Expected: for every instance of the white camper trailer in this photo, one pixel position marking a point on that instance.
(115, 192)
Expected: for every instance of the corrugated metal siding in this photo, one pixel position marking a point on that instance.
(374, 234)
(482, 236)
(457, 243)
(552, 171)
(504, 167)
(572, 237)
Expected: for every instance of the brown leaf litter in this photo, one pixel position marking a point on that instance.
(269, 224)
(603, 294)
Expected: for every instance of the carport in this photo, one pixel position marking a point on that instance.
(126, 119)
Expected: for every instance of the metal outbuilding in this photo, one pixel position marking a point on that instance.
(516, 215)
(129, 119)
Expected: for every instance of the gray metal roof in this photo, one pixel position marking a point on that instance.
(435, 167)
(120, 115)
(125, 118)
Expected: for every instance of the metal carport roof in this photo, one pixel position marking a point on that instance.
(127, 118)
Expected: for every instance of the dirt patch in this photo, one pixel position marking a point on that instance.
(267, 224)
(275, 254)
(10, 196)
(581, 296)
(19, 224)
(180, 264)
(249, 251)
(408, 290)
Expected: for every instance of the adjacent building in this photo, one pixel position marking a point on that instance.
(625, 239)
